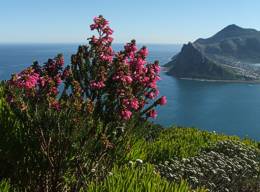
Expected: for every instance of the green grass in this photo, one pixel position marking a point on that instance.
(138, 178)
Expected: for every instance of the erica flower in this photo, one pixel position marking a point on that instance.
(126, 114)
(135, 104)
(156, 67)
(162, 100)
(151, 95)
(66, 73)
(97, 84)
(127, 79)
(54, 91)
(58, 79)
(31, 81)
(152, 113)
(143, 52)
(108, 31)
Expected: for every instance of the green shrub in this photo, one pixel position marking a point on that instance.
(226, 166)
(5, 186)
(183, 142)
(138, 178)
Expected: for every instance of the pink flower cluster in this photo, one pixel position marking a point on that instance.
(118, 85)
(131, 104)
(41, 81)
(101, 45)
(142, 78)
(27, 79)
(97, 85)
(123, 78)
(162, 100)
(126, 114)
(131, 78)
(100, 23)
(152, 113)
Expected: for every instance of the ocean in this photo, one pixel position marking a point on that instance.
(229, 108)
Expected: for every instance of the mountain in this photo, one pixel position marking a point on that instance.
(231, 54)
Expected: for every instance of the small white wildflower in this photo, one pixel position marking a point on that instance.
(93, 170)
(140, 161)
(130, 163)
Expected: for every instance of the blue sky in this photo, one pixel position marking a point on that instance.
(147, 21)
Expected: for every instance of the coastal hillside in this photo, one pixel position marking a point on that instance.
(231, 54)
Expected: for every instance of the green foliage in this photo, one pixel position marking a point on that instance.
(5, 186)
(222, 167)
(138, 179)
(45, 144)
(181, 142)
(66, 162)
(176, 142)
(10, 137)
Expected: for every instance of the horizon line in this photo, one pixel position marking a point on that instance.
(147, 43)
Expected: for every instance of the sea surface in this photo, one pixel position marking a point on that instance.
(229, 108)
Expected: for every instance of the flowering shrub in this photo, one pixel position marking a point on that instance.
(38, 84)
(109, 85)
(118, 85)
(74, 119)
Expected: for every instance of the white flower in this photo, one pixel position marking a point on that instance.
(140, 161)
(130, 163)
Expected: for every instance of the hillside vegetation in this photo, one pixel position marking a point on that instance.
(84, 127)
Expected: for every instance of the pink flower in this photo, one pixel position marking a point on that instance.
(156, 92)
(97, 85)
(54, 91)
(157, 68)
(131, 47)
(97, 19)
(93, 26)
(142, 104)
(125, 102)
(107, 58)
(66, 73)
(31, 81)
(107, 30)
(109, 39)
(127, 79)
(58, 79)
(42, 81)
(162, 100)
(135, 104)
(152, 113)
(143, 52)
(153, 84)
(140, 62)
(151, 95)
(126, 114)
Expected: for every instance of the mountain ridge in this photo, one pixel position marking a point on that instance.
(230, 54)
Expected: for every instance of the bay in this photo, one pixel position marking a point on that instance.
(229, 108)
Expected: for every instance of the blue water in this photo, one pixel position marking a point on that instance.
(230, 108)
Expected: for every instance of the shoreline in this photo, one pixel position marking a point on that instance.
(165, 70)
(221, 81)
